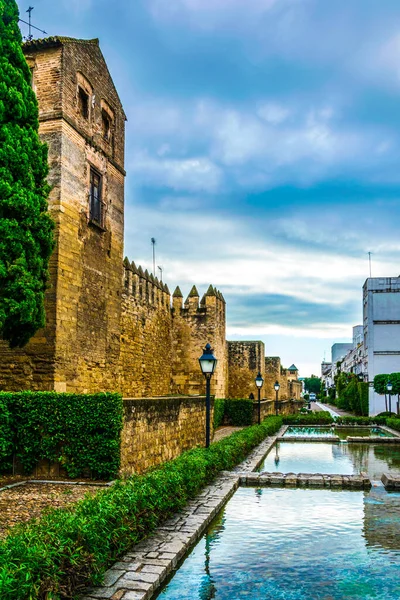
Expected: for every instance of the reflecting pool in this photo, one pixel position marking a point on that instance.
(341, 432)
(296, 544)
(328, 458)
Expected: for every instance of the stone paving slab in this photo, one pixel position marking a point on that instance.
(391, 482)
(373, 440)
(140, 572)
(359, 482)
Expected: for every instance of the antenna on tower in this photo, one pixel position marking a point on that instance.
(153, 242)
(369, 259)
(161, 272)
(29, 23)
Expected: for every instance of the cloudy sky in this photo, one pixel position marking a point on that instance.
(263, 152)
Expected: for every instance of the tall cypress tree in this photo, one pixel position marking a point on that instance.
(26, 228)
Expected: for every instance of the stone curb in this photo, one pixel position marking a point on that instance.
(391, 482)
(373, 440)
(334, 439)
(390, 430)
(49, 481)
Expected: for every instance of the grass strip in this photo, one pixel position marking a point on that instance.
(68, 549)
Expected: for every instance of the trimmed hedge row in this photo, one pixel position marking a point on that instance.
(318, 418)
(81, 431)
(219, 412)
(66, 550)
(233, 411)
(361, 420)
(393, 423)
(6, 436)
(239, 411)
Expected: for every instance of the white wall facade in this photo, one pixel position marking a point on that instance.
(381, 312)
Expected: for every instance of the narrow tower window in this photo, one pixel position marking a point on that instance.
(96, 205)
(83, 103)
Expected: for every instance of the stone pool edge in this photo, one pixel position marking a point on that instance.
(141, 572)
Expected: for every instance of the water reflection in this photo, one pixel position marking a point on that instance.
(340, 458)
(382, 519)
(296, 544)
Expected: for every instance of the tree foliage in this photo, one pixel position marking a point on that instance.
(26, 236)
(312, 384)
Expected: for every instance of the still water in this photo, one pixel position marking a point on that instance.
(330, 458)
(296, 544)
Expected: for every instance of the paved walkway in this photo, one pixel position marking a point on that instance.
(223, 432)
(334, 410)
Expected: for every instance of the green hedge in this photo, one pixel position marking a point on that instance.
(239, 411)
(361, 420)
(6, 436)
(56, 556)
(394, 423)
(315, 418)
(352, 394)
(81, 431)
(219, 412)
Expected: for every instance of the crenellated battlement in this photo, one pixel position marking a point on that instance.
(144, 287)
(212, 301)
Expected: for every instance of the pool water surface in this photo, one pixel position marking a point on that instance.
(328, 458)
(296, 544)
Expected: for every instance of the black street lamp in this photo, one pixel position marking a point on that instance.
(208, 363)
(259, 383)
(389, 388)
(276, 388)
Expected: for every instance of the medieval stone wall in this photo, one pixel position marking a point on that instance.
(159, 429)
(245, 360)
(272, 374)
(195, 324)
(146, 336)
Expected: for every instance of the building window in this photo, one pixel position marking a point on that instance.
(106, 125)
(96, 205)
(83, 103)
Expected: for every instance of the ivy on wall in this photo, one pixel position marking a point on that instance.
(80, 431)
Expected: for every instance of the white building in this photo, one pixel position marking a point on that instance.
(381, 312)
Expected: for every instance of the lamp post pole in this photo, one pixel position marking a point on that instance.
(208, 363)
(276, 387)
(208, 408)
(389, 388)
(259, 383)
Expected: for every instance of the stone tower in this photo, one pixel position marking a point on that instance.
(194, 324)
(83, 122)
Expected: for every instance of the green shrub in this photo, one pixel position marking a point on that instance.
(394, 423)
(81, 431)
(332, 395)
(219, 412)
(239, 411)
(350, 420)
(56, 556)
(6, 437)
(315, 418)
(353, 394)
